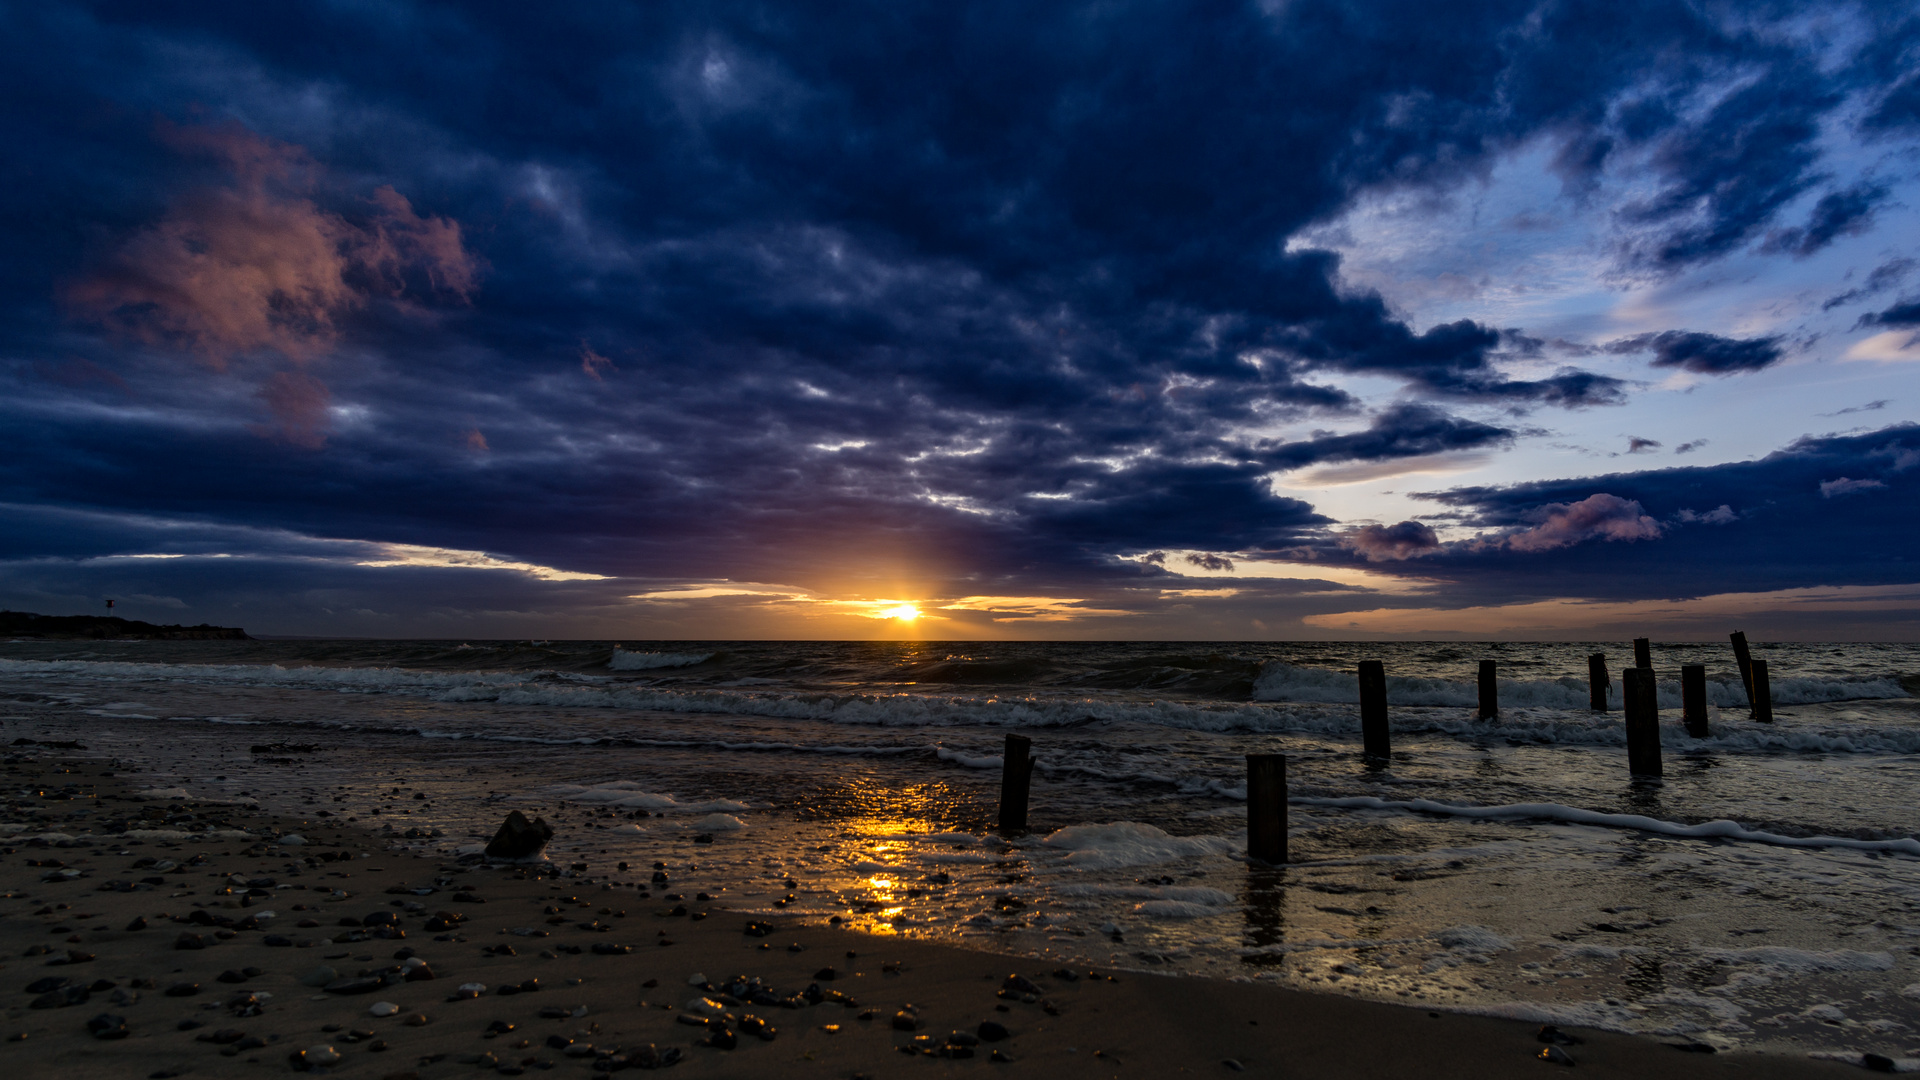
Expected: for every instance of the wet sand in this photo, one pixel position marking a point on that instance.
(613, 970)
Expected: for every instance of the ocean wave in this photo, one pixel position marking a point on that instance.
(1547, 712)
(648, 661)
(1281, 681)
(1706, 830)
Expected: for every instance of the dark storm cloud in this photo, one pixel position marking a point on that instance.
(1884, 277)
(1905, 313)
(1837, 214)
(1743, 526)
(1706, 354)
(718, 290)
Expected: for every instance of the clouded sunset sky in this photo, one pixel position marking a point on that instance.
(1282, 319)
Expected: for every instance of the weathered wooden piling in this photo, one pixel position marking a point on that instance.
(1597, 682)
(1489, 691)
(1016, 772)
(1643, 653)
(1693, 699)
(1642, 708)
(1762, 693)
(1267, 807)
(1745, 660)
(1373, 710)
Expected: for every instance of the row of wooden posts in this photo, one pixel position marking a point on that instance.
(1267, 773)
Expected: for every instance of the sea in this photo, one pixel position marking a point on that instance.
(1763, 894)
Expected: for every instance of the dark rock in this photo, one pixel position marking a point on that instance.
(380, 918)
(992, 1031)
(519, 838)
(222, 1036)
(278, 941)
(1876, 1063)
(1694, 1048)
(190, 941)
(108, 1026)
(1554, 1036)
(139, 923)
(364, 984)
(1020, 984)
(230, 976)
(905, 1021)
(757, 1027)
(756, 928)
(51, 982)
(1555, 1056)
(183, 989)
(721, 1038)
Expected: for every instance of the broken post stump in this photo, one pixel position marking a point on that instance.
(1762, 693)
(1643, 653)
(1597, 682)
(1745, 660)
(1489, 691)
(1267, 807)
(1016, 773)
(1693, 699)
(1373, 710)
(1642, 708)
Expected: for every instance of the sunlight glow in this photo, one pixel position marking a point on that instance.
(903, 612)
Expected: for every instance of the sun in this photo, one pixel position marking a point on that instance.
(903, 612)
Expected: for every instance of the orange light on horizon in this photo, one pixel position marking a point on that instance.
(903, 612)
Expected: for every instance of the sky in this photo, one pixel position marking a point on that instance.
(1231, 321)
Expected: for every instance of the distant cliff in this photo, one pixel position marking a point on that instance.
(25, 624)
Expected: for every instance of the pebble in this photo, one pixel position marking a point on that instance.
(1232, 1064)
(992, 1031)
(415, 1020)
(1554, 1036)
(383, 1008)
(108, 1026)
(315, 1057)
(319, 976)
(1556, 1056)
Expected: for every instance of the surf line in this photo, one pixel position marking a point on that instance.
(1706, 830)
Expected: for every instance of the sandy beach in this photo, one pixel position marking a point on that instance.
(147, 936)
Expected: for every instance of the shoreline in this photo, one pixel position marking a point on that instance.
(1130, 1024)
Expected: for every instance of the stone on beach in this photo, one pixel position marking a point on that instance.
(519, 838)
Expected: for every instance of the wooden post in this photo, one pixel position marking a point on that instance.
(1597, 682)
(1373, 710)
(1489, 691)
(1016, 771)
(1762, 693)
(1643, 653)
(1267, 807)
(1745, 660)
(1642, 709)
(1693, 699)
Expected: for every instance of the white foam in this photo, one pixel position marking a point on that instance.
(1130, 843)
(629, 795)
(1725, 830)
(649, 661)
(717, 823)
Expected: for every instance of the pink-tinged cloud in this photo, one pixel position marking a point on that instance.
(256, 268)
(298, 403)
(594, 364)
(1392, 543)
(1603, 517)
(1844, 486)
(476, 441)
